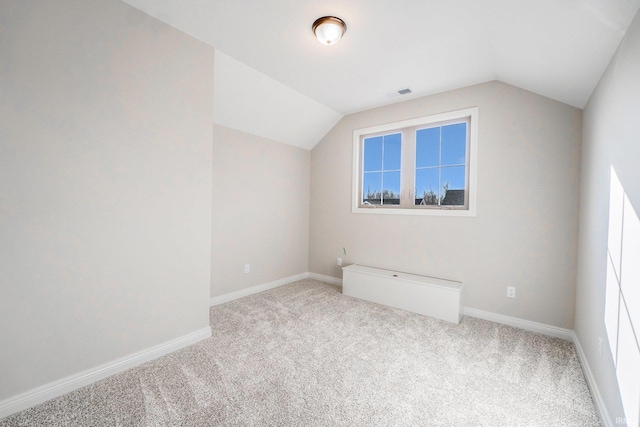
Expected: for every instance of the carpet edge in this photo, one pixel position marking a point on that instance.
(541, 328)
(57, 388)
(327, 279)
(603, 412)
(221, 299)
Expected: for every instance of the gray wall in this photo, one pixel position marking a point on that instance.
(611, 138)
(525, 231)
(105, 186)
(260, 210)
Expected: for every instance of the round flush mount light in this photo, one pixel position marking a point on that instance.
(329, 29)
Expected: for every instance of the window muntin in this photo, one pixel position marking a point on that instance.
(441, 166)
(381, 170)
(437, 158)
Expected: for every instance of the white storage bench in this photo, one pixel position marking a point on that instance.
(425, 295)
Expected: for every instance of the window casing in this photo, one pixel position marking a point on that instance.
(422, 166)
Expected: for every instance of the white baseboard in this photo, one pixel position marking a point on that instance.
(323, 278)
(541, 328)
(605, 419)
(65, 385)
(255, 289)
(565, 334)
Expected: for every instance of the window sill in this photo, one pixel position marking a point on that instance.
(409, 211)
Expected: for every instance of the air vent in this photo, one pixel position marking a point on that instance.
(404, 91)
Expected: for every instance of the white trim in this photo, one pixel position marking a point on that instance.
(605, 419)
(62, 386)
(424, 295)
(221, 299)
(541, 328)
(328, 279)
(565, 334)
(472, 113)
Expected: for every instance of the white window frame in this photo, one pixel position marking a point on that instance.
(468, 113)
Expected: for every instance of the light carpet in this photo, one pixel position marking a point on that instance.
(305, 355)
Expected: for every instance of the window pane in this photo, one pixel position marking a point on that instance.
(427, 187)
(428, 159)
(428, 147)
(454, 144)
(373, 154)
(391, 185)
(371, 187)
(392, 151)
(452, 181)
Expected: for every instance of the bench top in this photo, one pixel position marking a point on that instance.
(415, 278)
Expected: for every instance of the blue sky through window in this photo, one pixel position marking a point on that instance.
(391, 184)
(428, 147)
(382, 158)
(372, 183)
(440, 161)
(392, 152)
(373, 154)
(454, 176)
(454, 144)
(427, 181)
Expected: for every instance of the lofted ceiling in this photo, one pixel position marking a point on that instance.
(277, 81)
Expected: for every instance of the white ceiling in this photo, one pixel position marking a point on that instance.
(556, 48)
(248, 100)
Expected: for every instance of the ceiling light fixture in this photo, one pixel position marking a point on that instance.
(329, 29)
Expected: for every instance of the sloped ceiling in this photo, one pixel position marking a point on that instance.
(248, 100)
(558, 49)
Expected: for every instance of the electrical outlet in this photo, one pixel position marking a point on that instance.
(339, 261)
(600, 347)
(511, 292)
(247, 268)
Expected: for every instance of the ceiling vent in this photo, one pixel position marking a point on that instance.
(404, 91)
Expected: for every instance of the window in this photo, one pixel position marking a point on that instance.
(423, 166)
(440, 165)
(381, 170)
